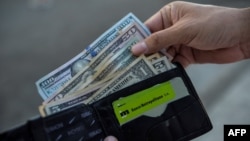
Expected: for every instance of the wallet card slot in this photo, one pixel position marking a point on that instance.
(139, 128)
(78, 123)
(145, 128)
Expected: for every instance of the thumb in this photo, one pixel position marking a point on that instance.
(159, 40)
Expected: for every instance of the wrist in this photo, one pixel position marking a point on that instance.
(245, 31)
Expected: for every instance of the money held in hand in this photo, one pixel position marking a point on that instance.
(104, 67)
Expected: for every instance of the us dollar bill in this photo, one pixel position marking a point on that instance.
(117, 62)
(117, 55)
(52, 82)
(161, 65)
(69, 102)
(153, 57)
(74, 99)
(138, 71)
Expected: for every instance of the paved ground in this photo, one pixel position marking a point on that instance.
(35, 39)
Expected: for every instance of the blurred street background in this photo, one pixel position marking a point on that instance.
(37, 36)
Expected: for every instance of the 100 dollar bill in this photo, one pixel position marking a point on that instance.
(53, 81)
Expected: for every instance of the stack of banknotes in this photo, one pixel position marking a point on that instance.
(104, 67)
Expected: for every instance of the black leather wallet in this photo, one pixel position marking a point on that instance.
(165, 107)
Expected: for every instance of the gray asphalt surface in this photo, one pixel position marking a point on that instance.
(37, 36)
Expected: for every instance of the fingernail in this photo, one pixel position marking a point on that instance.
(139, 48)
(110, 138)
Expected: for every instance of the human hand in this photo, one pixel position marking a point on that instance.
(195, 33)
(110, 138)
